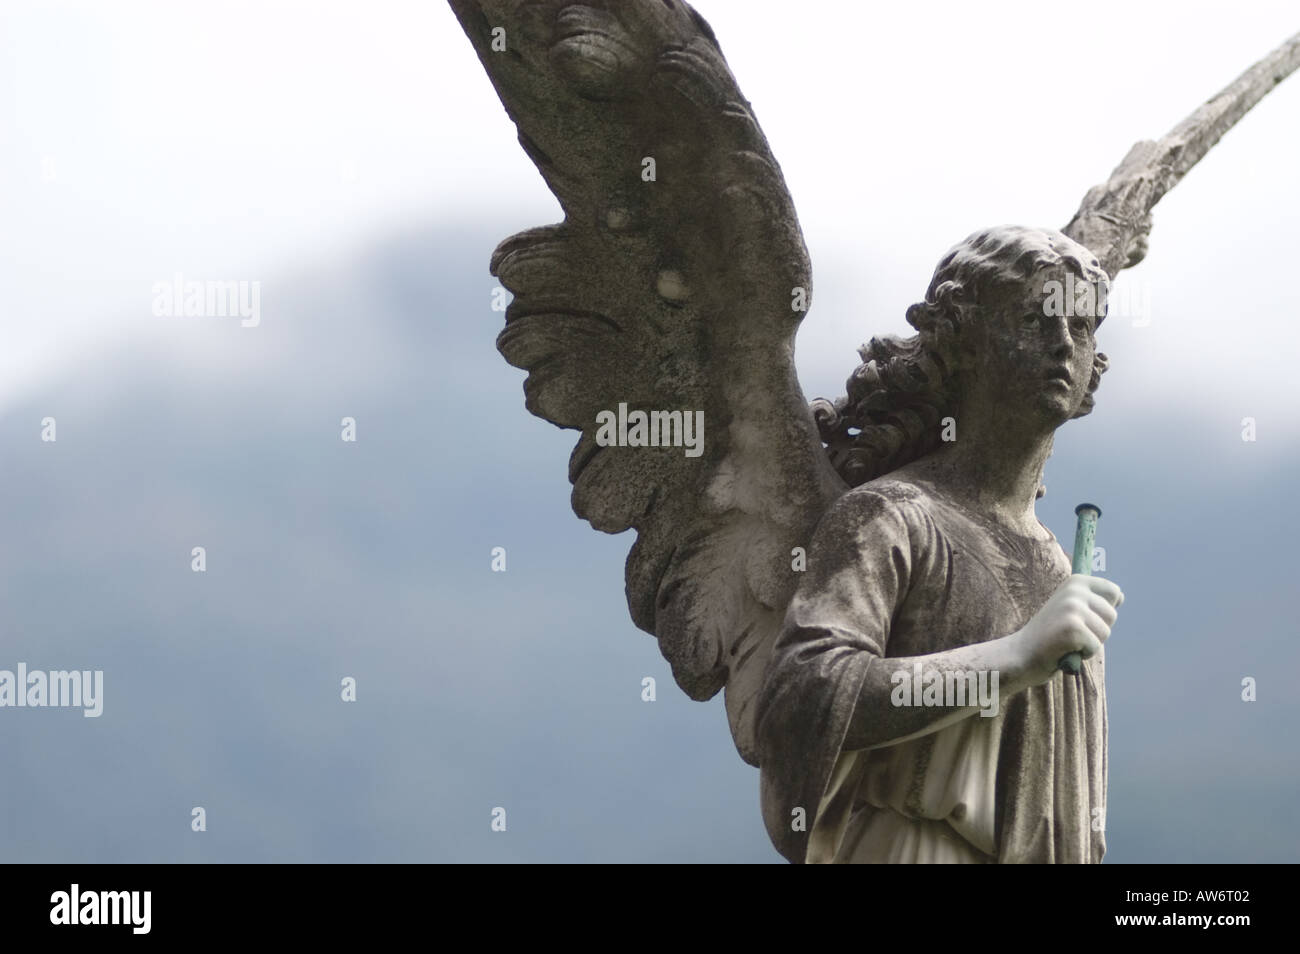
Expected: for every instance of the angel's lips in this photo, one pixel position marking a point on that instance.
(1059, 374)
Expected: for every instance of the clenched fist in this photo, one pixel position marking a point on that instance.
(1075, 619)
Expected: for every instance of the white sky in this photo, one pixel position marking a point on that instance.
(236, 139)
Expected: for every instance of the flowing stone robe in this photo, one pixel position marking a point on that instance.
(896, 569)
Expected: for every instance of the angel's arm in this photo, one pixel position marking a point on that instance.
(877, 722)
(862, 563)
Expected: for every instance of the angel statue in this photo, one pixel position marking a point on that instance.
(819, 561)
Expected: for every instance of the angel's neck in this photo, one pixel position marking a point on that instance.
(996, 474)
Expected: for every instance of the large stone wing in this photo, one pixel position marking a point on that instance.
(1114, 219)
(674, 284)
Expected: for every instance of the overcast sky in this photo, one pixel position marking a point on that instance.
(231, 138)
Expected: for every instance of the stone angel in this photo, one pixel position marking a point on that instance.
(812, 560)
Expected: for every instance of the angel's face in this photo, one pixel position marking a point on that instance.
(1037, 345)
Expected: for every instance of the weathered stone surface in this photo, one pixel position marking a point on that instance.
(803, 556)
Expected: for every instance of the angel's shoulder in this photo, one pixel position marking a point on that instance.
(892, 493)
(886, 503)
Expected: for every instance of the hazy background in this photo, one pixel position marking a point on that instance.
(354, 160)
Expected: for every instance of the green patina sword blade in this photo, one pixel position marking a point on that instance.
(1085, 538)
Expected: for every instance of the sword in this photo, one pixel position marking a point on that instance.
(1085, 535)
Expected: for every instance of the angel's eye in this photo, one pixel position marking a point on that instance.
(1032, 318)
(1081, 326)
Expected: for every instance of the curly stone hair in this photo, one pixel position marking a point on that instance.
(899, 395)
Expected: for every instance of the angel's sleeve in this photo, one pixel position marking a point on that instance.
(860, 563)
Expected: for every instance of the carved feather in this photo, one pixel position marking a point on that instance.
(671, 285)
(1114, 219)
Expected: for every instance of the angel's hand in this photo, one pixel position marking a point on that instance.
(1077, 618)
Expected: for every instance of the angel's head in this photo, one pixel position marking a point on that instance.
(1011, 314)
(1018, 309)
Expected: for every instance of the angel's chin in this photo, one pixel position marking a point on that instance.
(1054, 407)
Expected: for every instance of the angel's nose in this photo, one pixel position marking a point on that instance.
(1059, 341)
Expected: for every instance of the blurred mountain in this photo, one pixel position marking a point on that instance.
(522, 689)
